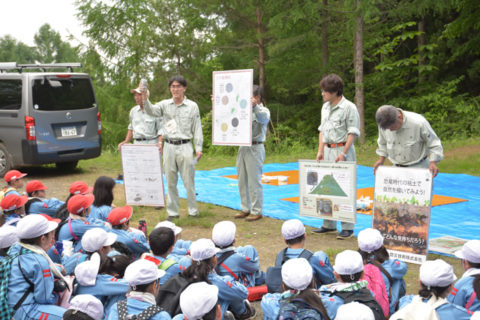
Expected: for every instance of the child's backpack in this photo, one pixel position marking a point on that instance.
(298, 309)
(273, 277)
(365, 297)
(144, 315)
(417, 309)
(168, 297)
(376, 284)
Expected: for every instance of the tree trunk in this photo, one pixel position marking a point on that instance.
(358, 67)
(324, 35)
(261, 50)
(422, 41)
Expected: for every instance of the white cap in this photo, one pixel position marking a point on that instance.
(96, 238)
(198, 299)
(370, 240)
(437, 273)
(8, 236)
(34, 225)
(354, 311)
(470, 251)
(87, 304)
(223, 233)
(292, 229)
(297, 273)
(348, 262)
(142, 272)
(475, 316)
(203, 249)
(170, 225)
(86, 272)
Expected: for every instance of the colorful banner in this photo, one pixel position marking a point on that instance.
(401, 211)
(328, 190)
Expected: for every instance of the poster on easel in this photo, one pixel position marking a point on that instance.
(401, 211)
(328, 190)
(232, 108)
(142, 175)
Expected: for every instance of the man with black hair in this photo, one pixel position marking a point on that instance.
(338, 129)
(181, 125)
(162, 240)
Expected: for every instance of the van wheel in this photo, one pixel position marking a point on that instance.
(66, 166)
(5, 160)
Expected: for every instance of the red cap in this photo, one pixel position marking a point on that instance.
(13, 175)
(80, 187)
(12, 202)
(50, 218)
(120, 215)
(79, 203)
(35, 185)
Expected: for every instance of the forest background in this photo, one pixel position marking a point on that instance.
(419, 55)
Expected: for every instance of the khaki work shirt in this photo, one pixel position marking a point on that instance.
(339, 121)
(144, 126)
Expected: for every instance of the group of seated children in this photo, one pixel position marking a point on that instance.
(60, 261)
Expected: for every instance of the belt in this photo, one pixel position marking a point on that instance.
(257, 142)
(334, 145)
(409, 165)
(177, 142)
(144, 139)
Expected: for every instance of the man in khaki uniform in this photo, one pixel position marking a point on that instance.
(181, 125)
(338, 129)
(407, 139)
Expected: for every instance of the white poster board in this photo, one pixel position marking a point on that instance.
(142, 175)
(232, 108)
(328, 190)
(401, 211)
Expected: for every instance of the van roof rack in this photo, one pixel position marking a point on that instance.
(4, 66)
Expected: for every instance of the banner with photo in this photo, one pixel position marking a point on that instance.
(401, 211)
(328, 190)
(142, 175)
(232, 107)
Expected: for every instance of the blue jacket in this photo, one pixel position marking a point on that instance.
(46, 206)
(180, 249)
(243, 264)
(447, 311)
(397, 270)
(69, 263)
(41, 302)
(322, 269)
(79, 227)
(135, 307)
(170, 272)
(462, 294)
(100, 213)
(108, 289)
(136, 242)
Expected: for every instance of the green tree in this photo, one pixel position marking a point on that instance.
(51, 48)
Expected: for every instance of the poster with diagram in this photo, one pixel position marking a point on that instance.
(232, 108)
(328, 190)
(402, 203)
(142, 175)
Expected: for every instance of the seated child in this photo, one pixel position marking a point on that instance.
(199, 301)
(240, 262)
(14, 180)
(77, 187)
(354, 311)
(466, 291)
(142, 276)
(161, 242)
(37, 202)
(8, 236)
(13, 208)
(103, 193)
(84, 307)
(436, 281)
(181, 246)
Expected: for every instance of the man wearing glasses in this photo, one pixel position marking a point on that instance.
(181, 127)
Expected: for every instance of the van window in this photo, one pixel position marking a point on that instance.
(52, 94)
(10, 94)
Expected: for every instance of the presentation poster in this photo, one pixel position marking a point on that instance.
(328, 190)
(232, 108)
(142, 175)
(401, 211)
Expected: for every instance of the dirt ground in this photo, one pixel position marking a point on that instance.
(264, 234)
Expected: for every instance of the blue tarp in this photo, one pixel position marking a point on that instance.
(459, 219)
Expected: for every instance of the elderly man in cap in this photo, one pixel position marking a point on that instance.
(143, 128)
(407, 139)
(32, 273)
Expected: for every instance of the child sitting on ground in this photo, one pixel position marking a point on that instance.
(181, 247)
(14, 180)
(103, 193)
(13, 209)
(37, 202)
(240, 262)
(84, 307)
(199, 301)
(8, 236)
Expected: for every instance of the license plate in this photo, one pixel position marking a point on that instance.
(69, 131)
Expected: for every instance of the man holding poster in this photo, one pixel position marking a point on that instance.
(407, 139)
(250, 161)
(339, 127)
(181, 118)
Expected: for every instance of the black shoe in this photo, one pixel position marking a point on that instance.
(345, 234)
(249, 313)
(324, 230)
